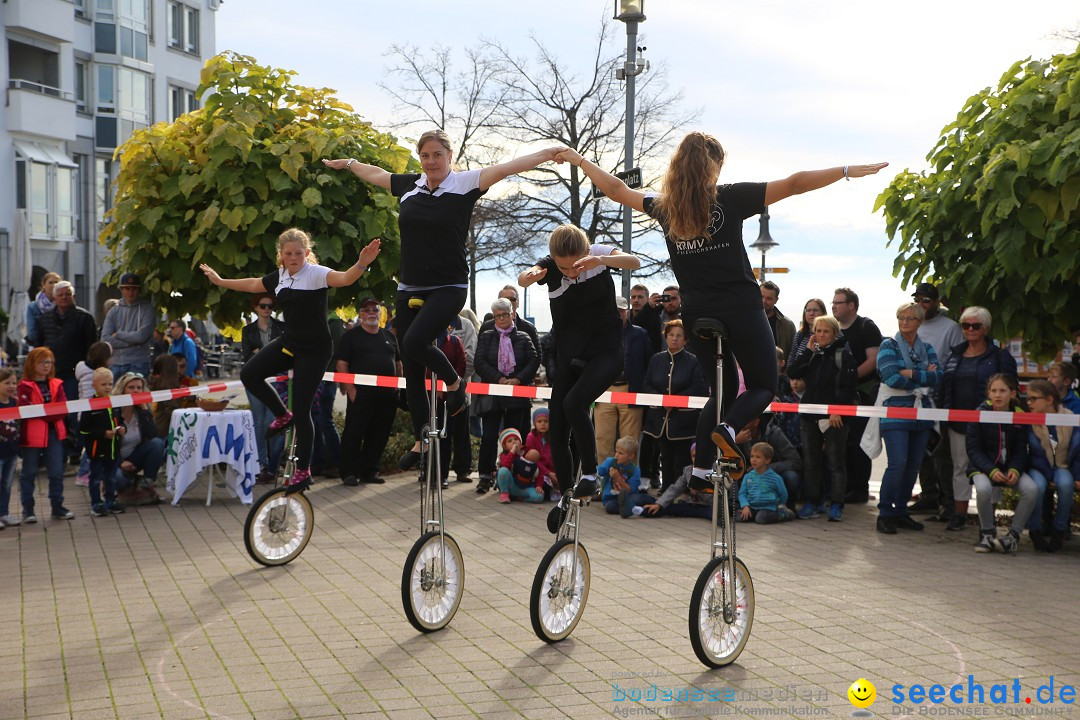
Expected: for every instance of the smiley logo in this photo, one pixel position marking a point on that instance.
(862, 693)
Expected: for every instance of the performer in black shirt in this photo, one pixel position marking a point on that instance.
(299, 288)
(436, 209)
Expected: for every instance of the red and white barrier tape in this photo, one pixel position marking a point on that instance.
(544, 393)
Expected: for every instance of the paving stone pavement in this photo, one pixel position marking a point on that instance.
(160, 613)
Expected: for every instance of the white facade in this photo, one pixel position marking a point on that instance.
(79, 77)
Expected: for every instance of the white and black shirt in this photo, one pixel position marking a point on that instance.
(302, 299)
(434, 224)
(583, 313)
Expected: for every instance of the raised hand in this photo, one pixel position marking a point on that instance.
(569, 155)
(864, 170)
(535, 273)
(370, 252)
(337, 164)
(587, 263)
(210, 273)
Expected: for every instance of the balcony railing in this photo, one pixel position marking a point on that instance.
(30, 86)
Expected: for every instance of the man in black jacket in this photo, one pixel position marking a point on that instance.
(68, 331)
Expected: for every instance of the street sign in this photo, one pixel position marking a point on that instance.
(758, 271)
(631, 177)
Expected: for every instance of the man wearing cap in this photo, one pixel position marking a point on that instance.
(935, 476)
(367, 349)
(129, 328)
(612, 420)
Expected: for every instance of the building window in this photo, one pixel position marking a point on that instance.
(183, 28)
(81, 81)
(103, 195)
(124, 26)
(80, 7)
(45, 180)
(125, 93)
(181, 100)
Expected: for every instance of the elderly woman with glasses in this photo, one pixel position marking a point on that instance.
(504, 356)
(254, 337)
(909, 370)
(141, 449)
(967, 369)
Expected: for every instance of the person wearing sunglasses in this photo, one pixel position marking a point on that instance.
(967, 370)
(253, 338)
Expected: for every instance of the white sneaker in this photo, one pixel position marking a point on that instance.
(12, 520)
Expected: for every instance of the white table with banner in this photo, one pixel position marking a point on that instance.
(199, 439)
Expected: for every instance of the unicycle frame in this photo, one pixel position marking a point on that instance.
(723, 484)
(433, 519)
(569, 529)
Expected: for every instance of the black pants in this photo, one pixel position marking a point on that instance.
(308, 366)
(416, 330)
(368, 422)
(575, 390)
(494, 422)
(649, 457)
(455, 450)
(750, 341)
(674, 456)
(859, 465)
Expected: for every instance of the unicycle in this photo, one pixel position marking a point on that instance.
(433, 579)
(722, 604)
(279, 524)
(560, 588)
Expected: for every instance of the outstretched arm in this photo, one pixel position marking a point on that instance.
(335, 278)
(533, 274)
(491, 175)
(251, 285)
(617, 259)
(368, 173)
(808, 180)
(610, 185)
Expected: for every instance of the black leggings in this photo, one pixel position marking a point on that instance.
(750, 341)
(308, 367)
(416, 330)
(575, 389)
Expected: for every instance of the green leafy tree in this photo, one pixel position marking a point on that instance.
(995, 220)
(219, 185)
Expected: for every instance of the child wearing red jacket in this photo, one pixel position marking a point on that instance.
(42, 436)
(518, 476)
(537, 440)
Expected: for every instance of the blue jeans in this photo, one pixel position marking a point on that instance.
(905, 449)
(7, 471)
(508, 484)
(143, 368)
(148, 456)
(53, 453)
(102, 471)
(792, 480)
(1063, 480)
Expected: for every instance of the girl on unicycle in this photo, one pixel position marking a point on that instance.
(586, 322)
(299, 288)
(702, 224)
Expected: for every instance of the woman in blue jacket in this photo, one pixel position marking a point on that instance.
(1053, 456)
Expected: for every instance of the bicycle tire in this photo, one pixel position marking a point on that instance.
(553, 608)
(278, 527)
(430, 604)
(717, 643)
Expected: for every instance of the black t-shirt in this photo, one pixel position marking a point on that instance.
(369, 353)
(714, 269)
(434, 227)
(862, 334)
(583, 312)
(302, 299)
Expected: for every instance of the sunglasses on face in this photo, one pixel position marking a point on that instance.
(265, 306)
(923, 300)
(971, 326)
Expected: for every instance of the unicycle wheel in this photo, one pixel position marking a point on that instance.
(432, 584)
(716, 642)
(278, 527)
(559, 592)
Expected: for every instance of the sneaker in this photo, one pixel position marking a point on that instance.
(1038, 539)
(10, 520)
(484, 485)
(836, 512)
(637, 510)
(957, 522)
(985, 544)
(446, 483)
(725, 442)
(83, 479)
(299, 482)
(908, 523)
(504, 497)
(98, 510)
(29, 517)
(654, 484)
(463, 478)
(115, 508)
(457, 400)
(372, 479)
(350, 480)
(409, 460)
(698, 483)
(886, 526)
(557, 515)
(62, 513)
(808, 510)
(923, 505)
(279, 425)
(1057, 537)
(586, 487)
(1006, 543)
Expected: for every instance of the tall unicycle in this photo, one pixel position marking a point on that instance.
(722, 604)
(433, 579)
(280, 523)
(560, 587)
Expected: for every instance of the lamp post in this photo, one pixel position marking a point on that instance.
(630, 12)
(764, 241)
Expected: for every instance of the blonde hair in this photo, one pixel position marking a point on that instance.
(765, 449)
(50, 276)
(828, 320)
(915, 308)
(685, 205)
(102, 372)
(439, 136)
(568, 241)
(296, 235)
(627, 444)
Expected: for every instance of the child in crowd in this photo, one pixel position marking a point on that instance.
(1063, 377)
(99, 355)
(679, 500)
(622, 478)
(185, 380)
(537, 440)
(9, 444)
(518, 476)
(762, 493)
(165, 375)
(42, 436)
(102, 430)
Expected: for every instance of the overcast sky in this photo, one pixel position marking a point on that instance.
(784, 85)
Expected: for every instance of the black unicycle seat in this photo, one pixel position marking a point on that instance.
(710, 328)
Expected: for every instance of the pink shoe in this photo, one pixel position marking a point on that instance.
(279, 425)
(83, 480)
(300, 481)
(504, 497)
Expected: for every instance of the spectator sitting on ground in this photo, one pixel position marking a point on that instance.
(679, 500)
(43, 303)
(762, 495)
(182, 344)
(786, 460)
(129, 328)
(518, 477)
(538, 440)
(1054, 462)
(142, 450)
(622, 477)
(814, 308)
(1063, 377)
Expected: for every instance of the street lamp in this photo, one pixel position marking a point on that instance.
(630, 12)
(764, 241)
